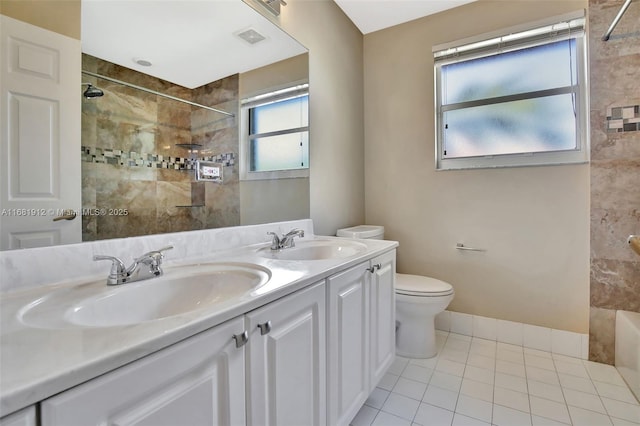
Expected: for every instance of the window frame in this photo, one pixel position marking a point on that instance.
(281, 93)
(580, 91)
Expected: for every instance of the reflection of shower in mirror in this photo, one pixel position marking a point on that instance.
(92, 91)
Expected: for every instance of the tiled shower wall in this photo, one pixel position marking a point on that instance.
(615, 171)
(138, 150)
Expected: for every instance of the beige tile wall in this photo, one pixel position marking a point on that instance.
(615, 174)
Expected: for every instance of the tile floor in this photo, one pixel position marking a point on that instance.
(482, 382)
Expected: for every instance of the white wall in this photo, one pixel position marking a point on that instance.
(533, 221)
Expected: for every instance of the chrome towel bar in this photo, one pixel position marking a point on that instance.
(461, 246)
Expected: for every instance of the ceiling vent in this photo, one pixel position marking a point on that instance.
(251, 36)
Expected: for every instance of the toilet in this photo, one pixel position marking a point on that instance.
(418, 300)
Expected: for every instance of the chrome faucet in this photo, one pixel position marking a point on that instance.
(144, 267)
(286, 241)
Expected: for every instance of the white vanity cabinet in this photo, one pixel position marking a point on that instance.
(24, 417)
(361, 334)
(309, 358)
(383, 315)
(199, 381)
(286, 367)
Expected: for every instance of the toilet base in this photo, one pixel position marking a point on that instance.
(416, 342)
(416, 331)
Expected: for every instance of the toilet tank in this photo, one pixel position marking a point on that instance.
(373, 232)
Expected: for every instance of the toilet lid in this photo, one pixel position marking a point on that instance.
(418, 285)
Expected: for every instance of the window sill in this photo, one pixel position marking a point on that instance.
(276, 174)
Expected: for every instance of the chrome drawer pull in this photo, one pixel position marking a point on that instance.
(374, 268)
(265, 328)
(241, 339)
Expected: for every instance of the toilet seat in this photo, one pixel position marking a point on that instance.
(420, 286)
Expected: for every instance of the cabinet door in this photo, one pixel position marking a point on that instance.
(199, 381)
(383, 315)
(25, 417)
(286, 366)
(348, 343)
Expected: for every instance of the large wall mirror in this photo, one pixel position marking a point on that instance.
(139, 149)
(162, 88)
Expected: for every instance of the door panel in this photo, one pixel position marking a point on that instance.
(40, 110)
(34, 172)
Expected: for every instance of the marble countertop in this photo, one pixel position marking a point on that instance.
(38, 362)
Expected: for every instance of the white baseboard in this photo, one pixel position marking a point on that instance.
(560, 342)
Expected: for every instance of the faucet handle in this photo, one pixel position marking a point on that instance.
(287, 240)
(118, 272)
(275, 240)
(154, 255)
(295, 231)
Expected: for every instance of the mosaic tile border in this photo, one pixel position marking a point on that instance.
(135, 159)
(623, 119)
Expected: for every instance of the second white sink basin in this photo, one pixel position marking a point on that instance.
(181, 290)
(316, 250)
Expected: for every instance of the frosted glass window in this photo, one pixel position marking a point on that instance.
(532, 69)
(280, 152)
(516, 99)
(530, 125)
(287, 114)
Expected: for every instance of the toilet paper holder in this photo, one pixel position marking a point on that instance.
(461, 246)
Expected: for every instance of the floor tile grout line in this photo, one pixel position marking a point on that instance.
(458, 395)
(526, 383)
(493, 396)
(564, 398)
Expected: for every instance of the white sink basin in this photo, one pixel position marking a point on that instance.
(315, 250)
(180, 290)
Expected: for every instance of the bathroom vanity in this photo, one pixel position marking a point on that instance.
(305, 342)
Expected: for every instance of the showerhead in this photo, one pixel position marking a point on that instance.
(92, 92)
